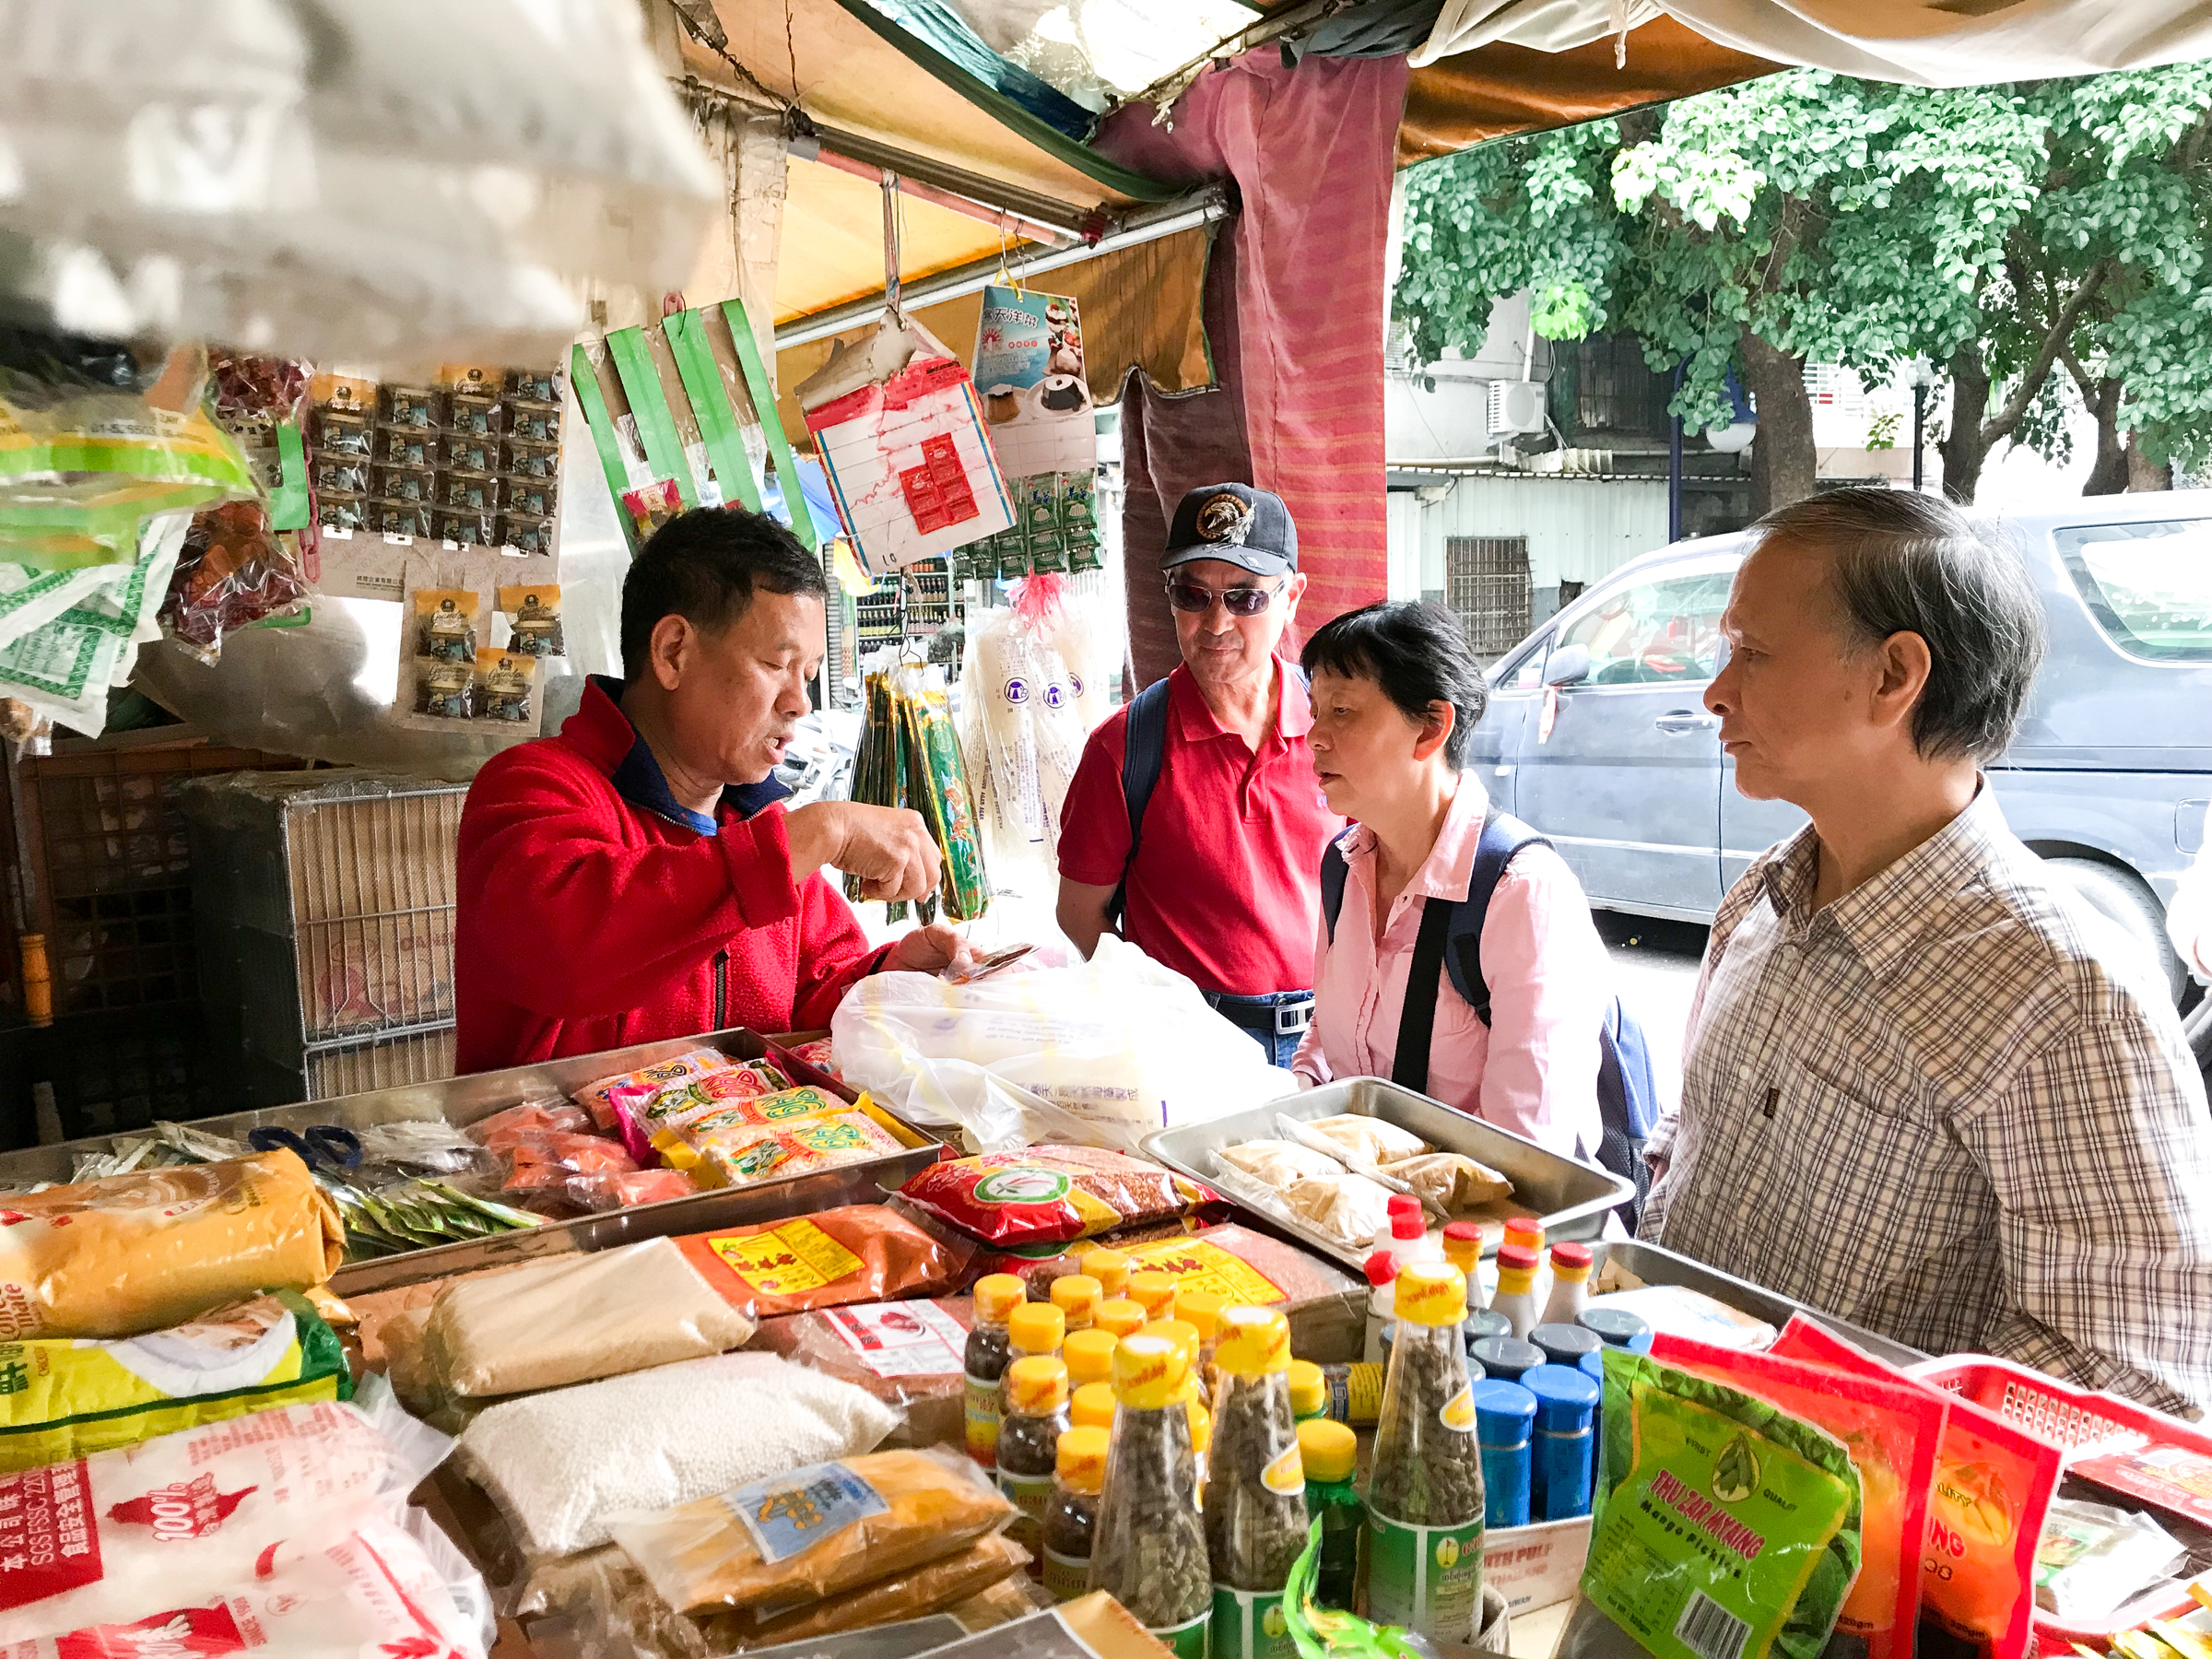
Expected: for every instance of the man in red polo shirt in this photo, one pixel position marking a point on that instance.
(1225, 884)
(636, 877)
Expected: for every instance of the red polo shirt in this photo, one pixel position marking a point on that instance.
(1226, 885)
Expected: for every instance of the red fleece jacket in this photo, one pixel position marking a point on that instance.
(586, 922)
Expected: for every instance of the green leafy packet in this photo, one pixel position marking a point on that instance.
(1722, 1527)
(1318, 1632)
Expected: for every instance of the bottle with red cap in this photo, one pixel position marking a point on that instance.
(1463, 1249)
(1516, 1298)
(1386, 1234)
(1569, 1282)
(1382, 1301)
(1409, 1238)
(1528, 1233)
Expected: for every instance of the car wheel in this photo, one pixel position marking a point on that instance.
(2123, 898)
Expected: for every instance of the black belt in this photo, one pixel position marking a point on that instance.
(1281, 1013)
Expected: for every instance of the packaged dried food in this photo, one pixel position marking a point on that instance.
(418, 407)
(345, 474)
(232, 571)
(526, 533)
(743, 1154)
(466, 529)
(474, 492)
(2092, 1560)
(595, 1097)
(485, 379)
(1370, 1140)
(341, 394)
(819, 1054)
(859, 1253)
(534, 422)
(1721, 1523)
(1451, 1180)
(1281, 1164)
(445, 625)
(533, 460)
(639, 1109)
(1349, 1208)
(441, 689)
(543, 1158)
(562, 1464)
(627, 1189)
(478, 415)
(416, 520)
(400, 483)
(503, 1129)
(913, 1593)
(1325, 1306)
(505, 685)
(531, 498)
(536, 385)
(72, 1399)
(135, 1252)
(577, 1319)
(908, 1353)
(337, 510)
(338, 432)
(1149, 1551)
(652, 505)
(1050, 1195)
(469, 452)
(534, 620)
(808, 1533)
(676, 1115)
(407, 446)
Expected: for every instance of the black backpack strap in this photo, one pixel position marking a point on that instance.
(1144, 756)
(1424, 980)
(1334, 873)
(1502, 836)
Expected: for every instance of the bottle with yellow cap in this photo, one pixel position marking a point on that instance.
(1121, 1316)
(1028, 1442)
(1309, 1391)
(1202, 1311)
(1077, 1296)
(1111, 1268)
(1149, 1553)
(1034, 1330)
(1330, 1452)
(1092, 1405)
(1184, 1335)
(1202, 1432)
(1071, 1514)
(990, 1350)
(1424, 1495)
(1255, 1510)
(1089, 1355)
(1154, 1291)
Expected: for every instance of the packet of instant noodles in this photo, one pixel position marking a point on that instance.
(1992, 1490)
(1724, 1527)
(1891, 1430)
(596, 1098)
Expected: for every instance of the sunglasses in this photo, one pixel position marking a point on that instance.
(1237, 601)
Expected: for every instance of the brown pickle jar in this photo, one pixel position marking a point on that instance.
(1028, 1446)
(1071, 1514)
(1149, 1550)
(989, 1352)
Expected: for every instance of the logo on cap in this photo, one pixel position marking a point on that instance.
(1226, 518)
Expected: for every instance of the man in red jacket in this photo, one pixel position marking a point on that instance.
(635, 878)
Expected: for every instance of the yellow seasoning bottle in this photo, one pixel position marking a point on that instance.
(1035, 1331)
(1153, 1291)
(1111, 1268)
(1425, 1495)
(1202, 1311)
(989, 1351)
(1202, 1432)
(1255, 1506)
(1309, 1391)
(1092, 1407)
(1071, 1515)
(1184, 1335)
(1089, 1355)
(1028, 1443)
(1149, 1553)
(1120, 1315)
(1077, 1297)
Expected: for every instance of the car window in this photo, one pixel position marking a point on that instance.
(1661, 633)
(1527, 675)
(2149, 585)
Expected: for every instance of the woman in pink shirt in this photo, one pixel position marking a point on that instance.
(1395, 697)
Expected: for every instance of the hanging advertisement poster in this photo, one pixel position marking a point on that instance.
(1028, 368)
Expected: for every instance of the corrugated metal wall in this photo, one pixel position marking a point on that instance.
(1578, 529)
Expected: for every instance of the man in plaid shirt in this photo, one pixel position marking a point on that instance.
(1926, 1088)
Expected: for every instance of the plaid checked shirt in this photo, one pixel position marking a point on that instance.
(1936, 1109)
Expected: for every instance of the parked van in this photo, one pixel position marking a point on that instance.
(1598, 734)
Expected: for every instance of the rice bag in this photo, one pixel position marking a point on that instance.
(1992, 1490)
(1892, 1431)
(741, 1154)
(576, 1319)
(1049, 1194)
(61, 1398)
(909, 1355)
(1722, 1527)
(806, 1534)
(857, 1254)
(595, 1097)
(713, 1110)
(134, 1252)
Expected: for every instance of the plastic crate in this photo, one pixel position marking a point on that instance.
(2081, 1425)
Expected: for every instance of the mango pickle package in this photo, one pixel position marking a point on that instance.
(1992, 1490)
(1724, 1527)
(1891, 1430)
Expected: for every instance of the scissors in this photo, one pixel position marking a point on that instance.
(325, 1149)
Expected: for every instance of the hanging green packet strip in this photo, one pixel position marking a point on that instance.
(1318, 1632)
(1723, 1528)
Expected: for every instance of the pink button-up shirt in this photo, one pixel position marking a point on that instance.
(1534, 1068)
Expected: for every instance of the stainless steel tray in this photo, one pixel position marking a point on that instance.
(462, 1100)
(1569, 1198)
(1656, 1265)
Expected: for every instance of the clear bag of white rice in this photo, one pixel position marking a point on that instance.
(559, 1464)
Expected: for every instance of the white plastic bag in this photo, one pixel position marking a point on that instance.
(1099, 1055)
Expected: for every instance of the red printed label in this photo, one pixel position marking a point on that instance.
(49, 1539)
(937, 493)
(187, 1631)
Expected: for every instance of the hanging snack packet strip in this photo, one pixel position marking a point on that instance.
(1992, 1490)
(534, 619)
(1723, 1528)
(504, 682)
(1893, 1431)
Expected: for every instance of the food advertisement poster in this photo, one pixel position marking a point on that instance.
(1029, 371)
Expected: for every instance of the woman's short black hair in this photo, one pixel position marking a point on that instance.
(1416, 652)
(704, 566)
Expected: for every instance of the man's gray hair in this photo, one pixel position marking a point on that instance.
(1908, 564)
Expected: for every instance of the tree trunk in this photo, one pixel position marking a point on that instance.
(1964, 449)
(2109, 475)
(1784, 465)
(2142, 473)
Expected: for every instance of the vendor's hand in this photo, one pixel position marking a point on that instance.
(888, 847)
(931, 949)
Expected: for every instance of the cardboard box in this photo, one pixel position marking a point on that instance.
(1536, 1566)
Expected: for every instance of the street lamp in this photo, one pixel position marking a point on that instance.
(1922, 376)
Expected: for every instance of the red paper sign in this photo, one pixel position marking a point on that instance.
(936, 491)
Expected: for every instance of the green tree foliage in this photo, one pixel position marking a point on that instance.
(2006, 234)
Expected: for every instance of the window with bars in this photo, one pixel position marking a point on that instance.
(1487, 582)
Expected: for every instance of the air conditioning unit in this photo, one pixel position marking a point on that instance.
(1516, 407)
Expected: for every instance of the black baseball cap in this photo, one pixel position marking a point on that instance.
(1236, 524)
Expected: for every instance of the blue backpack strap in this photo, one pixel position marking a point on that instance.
(1333, 874)
(1144, 756)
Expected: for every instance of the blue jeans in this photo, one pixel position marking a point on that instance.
(1276, 1022)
